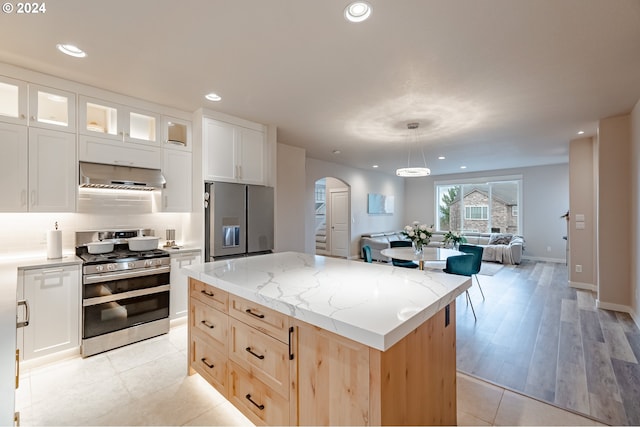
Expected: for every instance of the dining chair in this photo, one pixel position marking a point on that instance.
(400, 262)
(476, 251)
(366, 254)
(462, 265)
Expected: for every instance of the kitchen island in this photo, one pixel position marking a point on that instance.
(292, 338)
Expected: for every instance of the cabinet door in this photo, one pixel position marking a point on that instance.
(176, 134)
(13, 101)
(97, 117)
(54, 301)
(176, 196)
(251, 164)
(13, 167)
(52, 108)
(141, 126)
(53, 175)
(179, 301)
(220, 140)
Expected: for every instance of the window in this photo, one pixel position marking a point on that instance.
(476, 212)
(480, 205)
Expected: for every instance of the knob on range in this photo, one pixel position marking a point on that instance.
(112, 267)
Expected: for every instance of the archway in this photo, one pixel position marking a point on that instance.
(332, 213)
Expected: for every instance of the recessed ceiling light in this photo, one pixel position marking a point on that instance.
(213, 97)
(375, 166)
(463, 167)
(581, 132)
(441, 158)
(357, 11)
(71, 50)
(336, 151)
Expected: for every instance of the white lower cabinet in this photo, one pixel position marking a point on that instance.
(52, 298)
(179, 298)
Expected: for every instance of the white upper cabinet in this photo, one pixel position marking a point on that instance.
(14, 164)
(13, 101)
(39, 106)
(52, 108)
(176, 133)
(233, 153)
(118, 122)
(176, 169)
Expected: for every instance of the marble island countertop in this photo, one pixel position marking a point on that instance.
(374, 304)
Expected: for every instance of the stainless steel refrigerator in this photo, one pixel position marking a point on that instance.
(238, 220)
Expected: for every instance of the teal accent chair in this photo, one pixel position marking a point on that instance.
(366, 253)
(462, 265)
(401, 262)
(476, 251)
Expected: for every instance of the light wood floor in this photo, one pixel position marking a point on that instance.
(538, 336)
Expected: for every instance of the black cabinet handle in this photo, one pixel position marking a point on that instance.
(207, 293)
(248, 396)
(259, 316)
(290, 342)
(209, 365)
(259, 356)
(207, 324)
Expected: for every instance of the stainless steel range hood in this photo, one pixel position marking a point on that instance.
(98, 175)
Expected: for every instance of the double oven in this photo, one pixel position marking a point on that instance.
(125, 293)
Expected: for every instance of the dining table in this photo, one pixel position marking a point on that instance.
(427, 254)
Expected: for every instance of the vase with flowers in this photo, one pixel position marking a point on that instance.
(453, 239)
(419, 234)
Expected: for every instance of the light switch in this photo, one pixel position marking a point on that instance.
(579, 225)
(580, 217)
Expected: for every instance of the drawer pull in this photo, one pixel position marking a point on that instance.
(248, 396)
(259, 356)
(259, 316)
(207, 324)
(207, 293)
(209, 365)
(290, 342)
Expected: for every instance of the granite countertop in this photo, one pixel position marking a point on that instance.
(374, 304)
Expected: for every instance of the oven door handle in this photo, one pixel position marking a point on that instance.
(90, 279)
(124, 295)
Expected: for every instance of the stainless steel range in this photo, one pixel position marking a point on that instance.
(125, 293)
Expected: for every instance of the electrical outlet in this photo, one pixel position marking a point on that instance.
(578, 268)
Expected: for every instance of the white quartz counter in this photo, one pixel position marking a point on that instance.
(374, 304)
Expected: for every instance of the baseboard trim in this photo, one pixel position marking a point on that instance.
(536, 258)
(635, 318)
(614, 307)
(580, 285)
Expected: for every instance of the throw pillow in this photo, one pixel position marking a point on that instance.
(500, 239)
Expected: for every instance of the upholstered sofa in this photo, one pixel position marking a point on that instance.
(503, 248)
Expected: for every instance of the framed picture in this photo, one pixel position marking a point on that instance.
(379, 204)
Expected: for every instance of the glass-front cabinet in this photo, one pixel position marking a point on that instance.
(13, 101)
(176, 133)
(52, 108)
(111, 120)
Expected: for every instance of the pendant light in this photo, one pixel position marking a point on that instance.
(409, 171)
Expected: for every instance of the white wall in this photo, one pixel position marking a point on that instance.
(545, 199)
(290, 198)
(362, 183)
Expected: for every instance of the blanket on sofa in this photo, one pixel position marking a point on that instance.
(498, 253)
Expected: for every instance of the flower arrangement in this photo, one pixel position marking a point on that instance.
(454, 237)
(419, 234)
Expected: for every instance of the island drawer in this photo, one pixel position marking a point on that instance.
(209, 362)
(209, 295)
(260, 403)
(262, 356)
(212, 323)
(262, 318)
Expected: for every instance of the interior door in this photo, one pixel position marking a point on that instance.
(339, 222)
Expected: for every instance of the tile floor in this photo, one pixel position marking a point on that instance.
(146, 384)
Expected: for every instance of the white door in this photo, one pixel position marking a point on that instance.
(339, 219)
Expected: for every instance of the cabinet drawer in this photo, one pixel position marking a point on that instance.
(209, 295)
(262, 356)
(266, 320)
(212, 323)
(209, 362)
(261, 404)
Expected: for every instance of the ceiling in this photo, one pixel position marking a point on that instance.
(494, 84)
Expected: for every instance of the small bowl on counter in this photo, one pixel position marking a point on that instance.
(143, 243)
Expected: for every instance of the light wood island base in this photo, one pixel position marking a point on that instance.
(278, 370)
